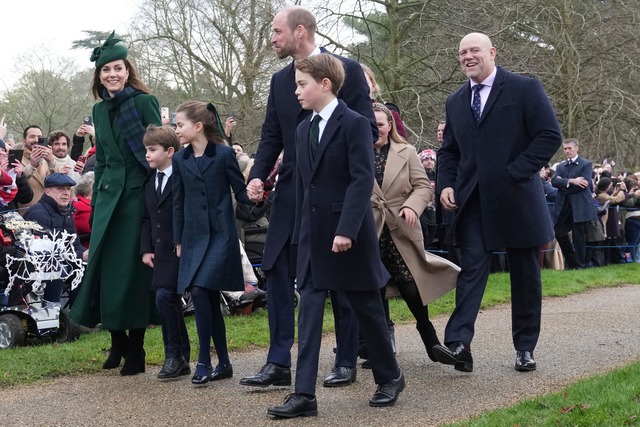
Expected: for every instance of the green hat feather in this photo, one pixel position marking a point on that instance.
(109, 51)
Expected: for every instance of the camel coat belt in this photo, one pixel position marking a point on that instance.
(405, 185)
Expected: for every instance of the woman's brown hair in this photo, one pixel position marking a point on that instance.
(133, 81)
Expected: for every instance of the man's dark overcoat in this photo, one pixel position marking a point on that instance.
(502, 160)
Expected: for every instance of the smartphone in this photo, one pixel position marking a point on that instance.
(232, 114)
(82, 159)
(165, 113)
(173, 118)
(43, 142)
(87, 120)
(13, 156)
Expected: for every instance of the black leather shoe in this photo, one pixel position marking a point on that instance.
(366, 364)
(340, 376)
(201, 375)
(186, 369)
(386, 394)
(295, 405)
(221, 372)
(269, 374)
(457, 354)
(172, 368)
(524, 361)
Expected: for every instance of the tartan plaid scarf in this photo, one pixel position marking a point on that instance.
(128, 121)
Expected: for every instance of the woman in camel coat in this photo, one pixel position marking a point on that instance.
(401, 192)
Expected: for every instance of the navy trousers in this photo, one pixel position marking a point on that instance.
(174, 331)
(526, 285)
(280, 310)
(369, 313)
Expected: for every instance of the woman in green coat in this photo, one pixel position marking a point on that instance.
(115, 290)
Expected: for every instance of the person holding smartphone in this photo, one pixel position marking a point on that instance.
(14, 185)
(38, 161)
(78, 148)
(85, 160)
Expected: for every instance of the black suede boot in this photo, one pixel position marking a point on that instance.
(134, 361)
(118, 350)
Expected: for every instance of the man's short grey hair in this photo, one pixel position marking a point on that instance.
(571, 141)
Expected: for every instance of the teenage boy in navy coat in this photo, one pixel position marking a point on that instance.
(293, 36)
(156, 246)
(335, 234)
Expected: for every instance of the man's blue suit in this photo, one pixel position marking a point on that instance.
(493, 167)
(283, 115)
(573, 209)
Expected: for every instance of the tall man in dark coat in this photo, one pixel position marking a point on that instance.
(574, 207)
(500, 130)
(293, 35)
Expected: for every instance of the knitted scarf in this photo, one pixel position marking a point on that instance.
(128, 120)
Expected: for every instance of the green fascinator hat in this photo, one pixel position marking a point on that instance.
(109, 51)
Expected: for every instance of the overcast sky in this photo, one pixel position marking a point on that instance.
(29, 25)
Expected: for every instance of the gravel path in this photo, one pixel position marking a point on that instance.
(582, 335)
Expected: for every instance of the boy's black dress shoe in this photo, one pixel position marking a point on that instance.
(386, 394)
(524, 361)
(173, 367)
(221, 372)
(340, 376)
(295, 405)
(269, 374)
(201, 375)
(456, 354)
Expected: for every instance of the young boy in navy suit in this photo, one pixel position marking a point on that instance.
(158, 251)
(335, 235)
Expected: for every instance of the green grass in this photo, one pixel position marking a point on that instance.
(43, 360)
(612, 399)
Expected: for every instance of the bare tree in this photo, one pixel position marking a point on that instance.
(47, 95)
(217, 50)
(585, 54)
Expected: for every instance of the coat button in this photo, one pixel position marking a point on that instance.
(158, 240)
(313, 186)
(313, 209)
(106, 186)
(158, 211)
(158, 225)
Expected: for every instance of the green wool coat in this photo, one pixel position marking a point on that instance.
(115, 289)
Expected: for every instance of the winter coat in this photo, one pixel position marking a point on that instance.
(405, 185)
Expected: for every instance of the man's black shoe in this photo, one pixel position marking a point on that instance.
(386, 394)
(269, 374)
(456, 354)
(172, 367)
(340, 376)
(524, 361)
(295, 405)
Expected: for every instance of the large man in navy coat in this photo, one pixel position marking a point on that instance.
(293, 35)
(495, 142)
